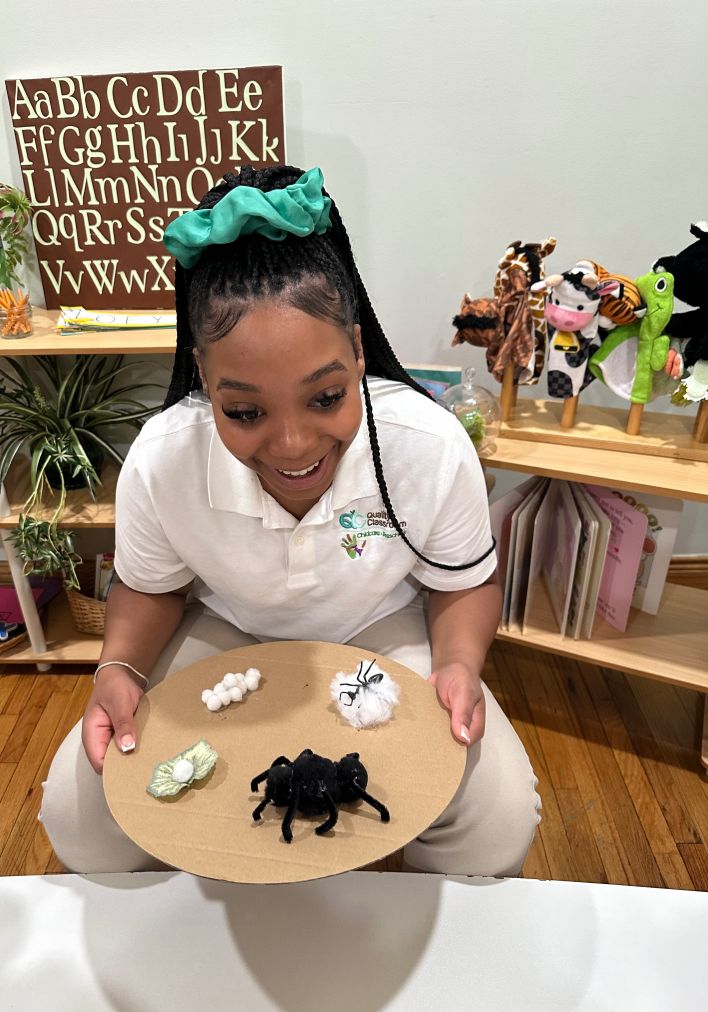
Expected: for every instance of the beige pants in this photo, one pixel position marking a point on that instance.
(486, 830)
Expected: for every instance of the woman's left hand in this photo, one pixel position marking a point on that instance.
(460, 692)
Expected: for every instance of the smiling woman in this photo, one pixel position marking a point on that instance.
(260, 491)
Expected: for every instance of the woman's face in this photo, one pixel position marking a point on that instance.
(284, 387)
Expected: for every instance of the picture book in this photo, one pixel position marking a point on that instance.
(542, 545)
(597, 564)
(526, 517)
(624, 555)
(501, 512)
(559, 565)
(583, 566)
(663, 516)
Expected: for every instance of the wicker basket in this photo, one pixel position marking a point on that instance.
(88, 613)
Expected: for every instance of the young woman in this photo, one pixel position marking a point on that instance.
(297, 485)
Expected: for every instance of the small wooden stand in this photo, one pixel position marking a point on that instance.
(700, 429)
(570, 406)
(634, 419)
(508, 395)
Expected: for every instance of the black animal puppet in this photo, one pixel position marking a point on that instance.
(312, 785)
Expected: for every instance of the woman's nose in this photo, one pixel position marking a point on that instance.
(292, 441)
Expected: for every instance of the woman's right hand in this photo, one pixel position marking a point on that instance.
(110, 714)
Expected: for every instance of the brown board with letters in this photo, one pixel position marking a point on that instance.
(108, 160)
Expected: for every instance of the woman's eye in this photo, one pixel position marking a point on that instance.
(329, 399)
(245, 415)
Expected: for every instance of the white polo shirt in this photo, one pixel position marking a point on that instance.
(187, 509)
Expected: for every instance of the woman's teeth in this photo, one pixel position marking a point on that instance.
(299, 474)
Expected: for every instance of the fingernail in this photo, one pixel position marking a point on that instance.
(127, 743)
(464, 733)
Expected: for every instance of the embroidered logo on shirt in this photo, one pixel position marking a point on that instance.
(352, 521)
(350, 546)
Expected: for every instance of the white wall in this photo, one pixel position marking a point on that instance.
(445, 129)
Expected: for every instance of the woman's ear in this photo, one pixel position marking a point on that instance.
(200, 367)
(359, 351)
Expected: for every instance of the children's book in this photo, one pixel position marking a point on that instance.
(663, 516)
(542, 545)
(525, 525)
(583, 566)
(597, 565)
(43, 590)
(500, 515)
(624, 555)
(559, 565)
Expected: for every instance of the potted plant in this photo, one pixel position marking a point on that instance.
(58, 412)
(15, 310)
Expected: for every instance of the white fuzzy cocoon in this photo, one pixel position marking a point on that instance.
(231, 689)
(374, 703)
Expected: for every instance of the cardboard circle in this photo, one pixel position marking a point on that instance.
(414, 766)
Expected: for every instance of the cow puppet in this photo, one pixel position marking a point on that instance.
(572, 311)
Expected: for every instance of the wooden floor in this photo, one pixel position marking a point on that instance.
(624, 798)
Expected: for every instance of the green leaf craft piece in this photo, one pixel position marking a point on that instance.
(202, 757)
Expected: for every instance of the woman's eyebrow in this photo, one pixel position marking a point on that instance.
(325, 370)
(231, 384)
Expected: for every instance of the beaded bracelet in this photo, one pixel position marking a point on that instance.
(120, 664)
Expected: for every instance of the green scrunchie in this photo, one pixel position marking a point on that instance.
(299, 209)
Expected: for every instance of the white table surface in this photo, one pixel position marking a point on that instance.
(358, 942)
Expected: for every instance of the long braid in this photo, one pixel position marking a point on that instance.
(213, 295)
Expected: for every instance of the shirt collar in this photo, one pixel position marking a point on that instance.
(235, 488)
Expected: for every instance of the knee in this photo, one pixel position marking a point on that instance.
(77, 820)
(487, 829)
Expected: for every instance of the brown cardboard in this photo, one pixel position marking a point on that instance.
(414, 766)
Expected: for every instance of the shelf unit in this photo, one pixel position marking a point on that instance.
(672, 646)
(59, 642)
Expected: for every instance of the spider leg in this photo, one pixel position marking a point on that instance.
(381, 809)
(333, 815)
(280, 761)
(352, 696)
(290, 815)
(367, 670)
(258, 809)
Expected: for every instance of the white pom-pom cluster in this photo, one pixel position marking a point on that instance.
(373, 701)
(231, 689)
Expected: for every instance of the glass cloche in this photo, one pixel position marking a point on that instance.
(476, 408)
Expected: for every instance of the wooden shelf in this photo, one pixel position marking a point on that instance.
(670, 646)
(663, 433)
(65, 644)
(81, 510)
(674, 477)
(46, 340)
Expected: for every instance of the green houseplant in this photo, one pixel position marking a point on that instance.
(15, 214)
(60, 412)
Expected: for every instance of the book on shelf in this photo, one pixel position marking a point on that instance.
(597, 552)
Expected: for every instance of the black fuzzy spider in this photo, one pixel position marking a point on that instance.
(312, 785)
(362, 682)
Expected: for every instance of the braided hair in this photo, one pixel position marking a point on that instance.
(212, 297)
